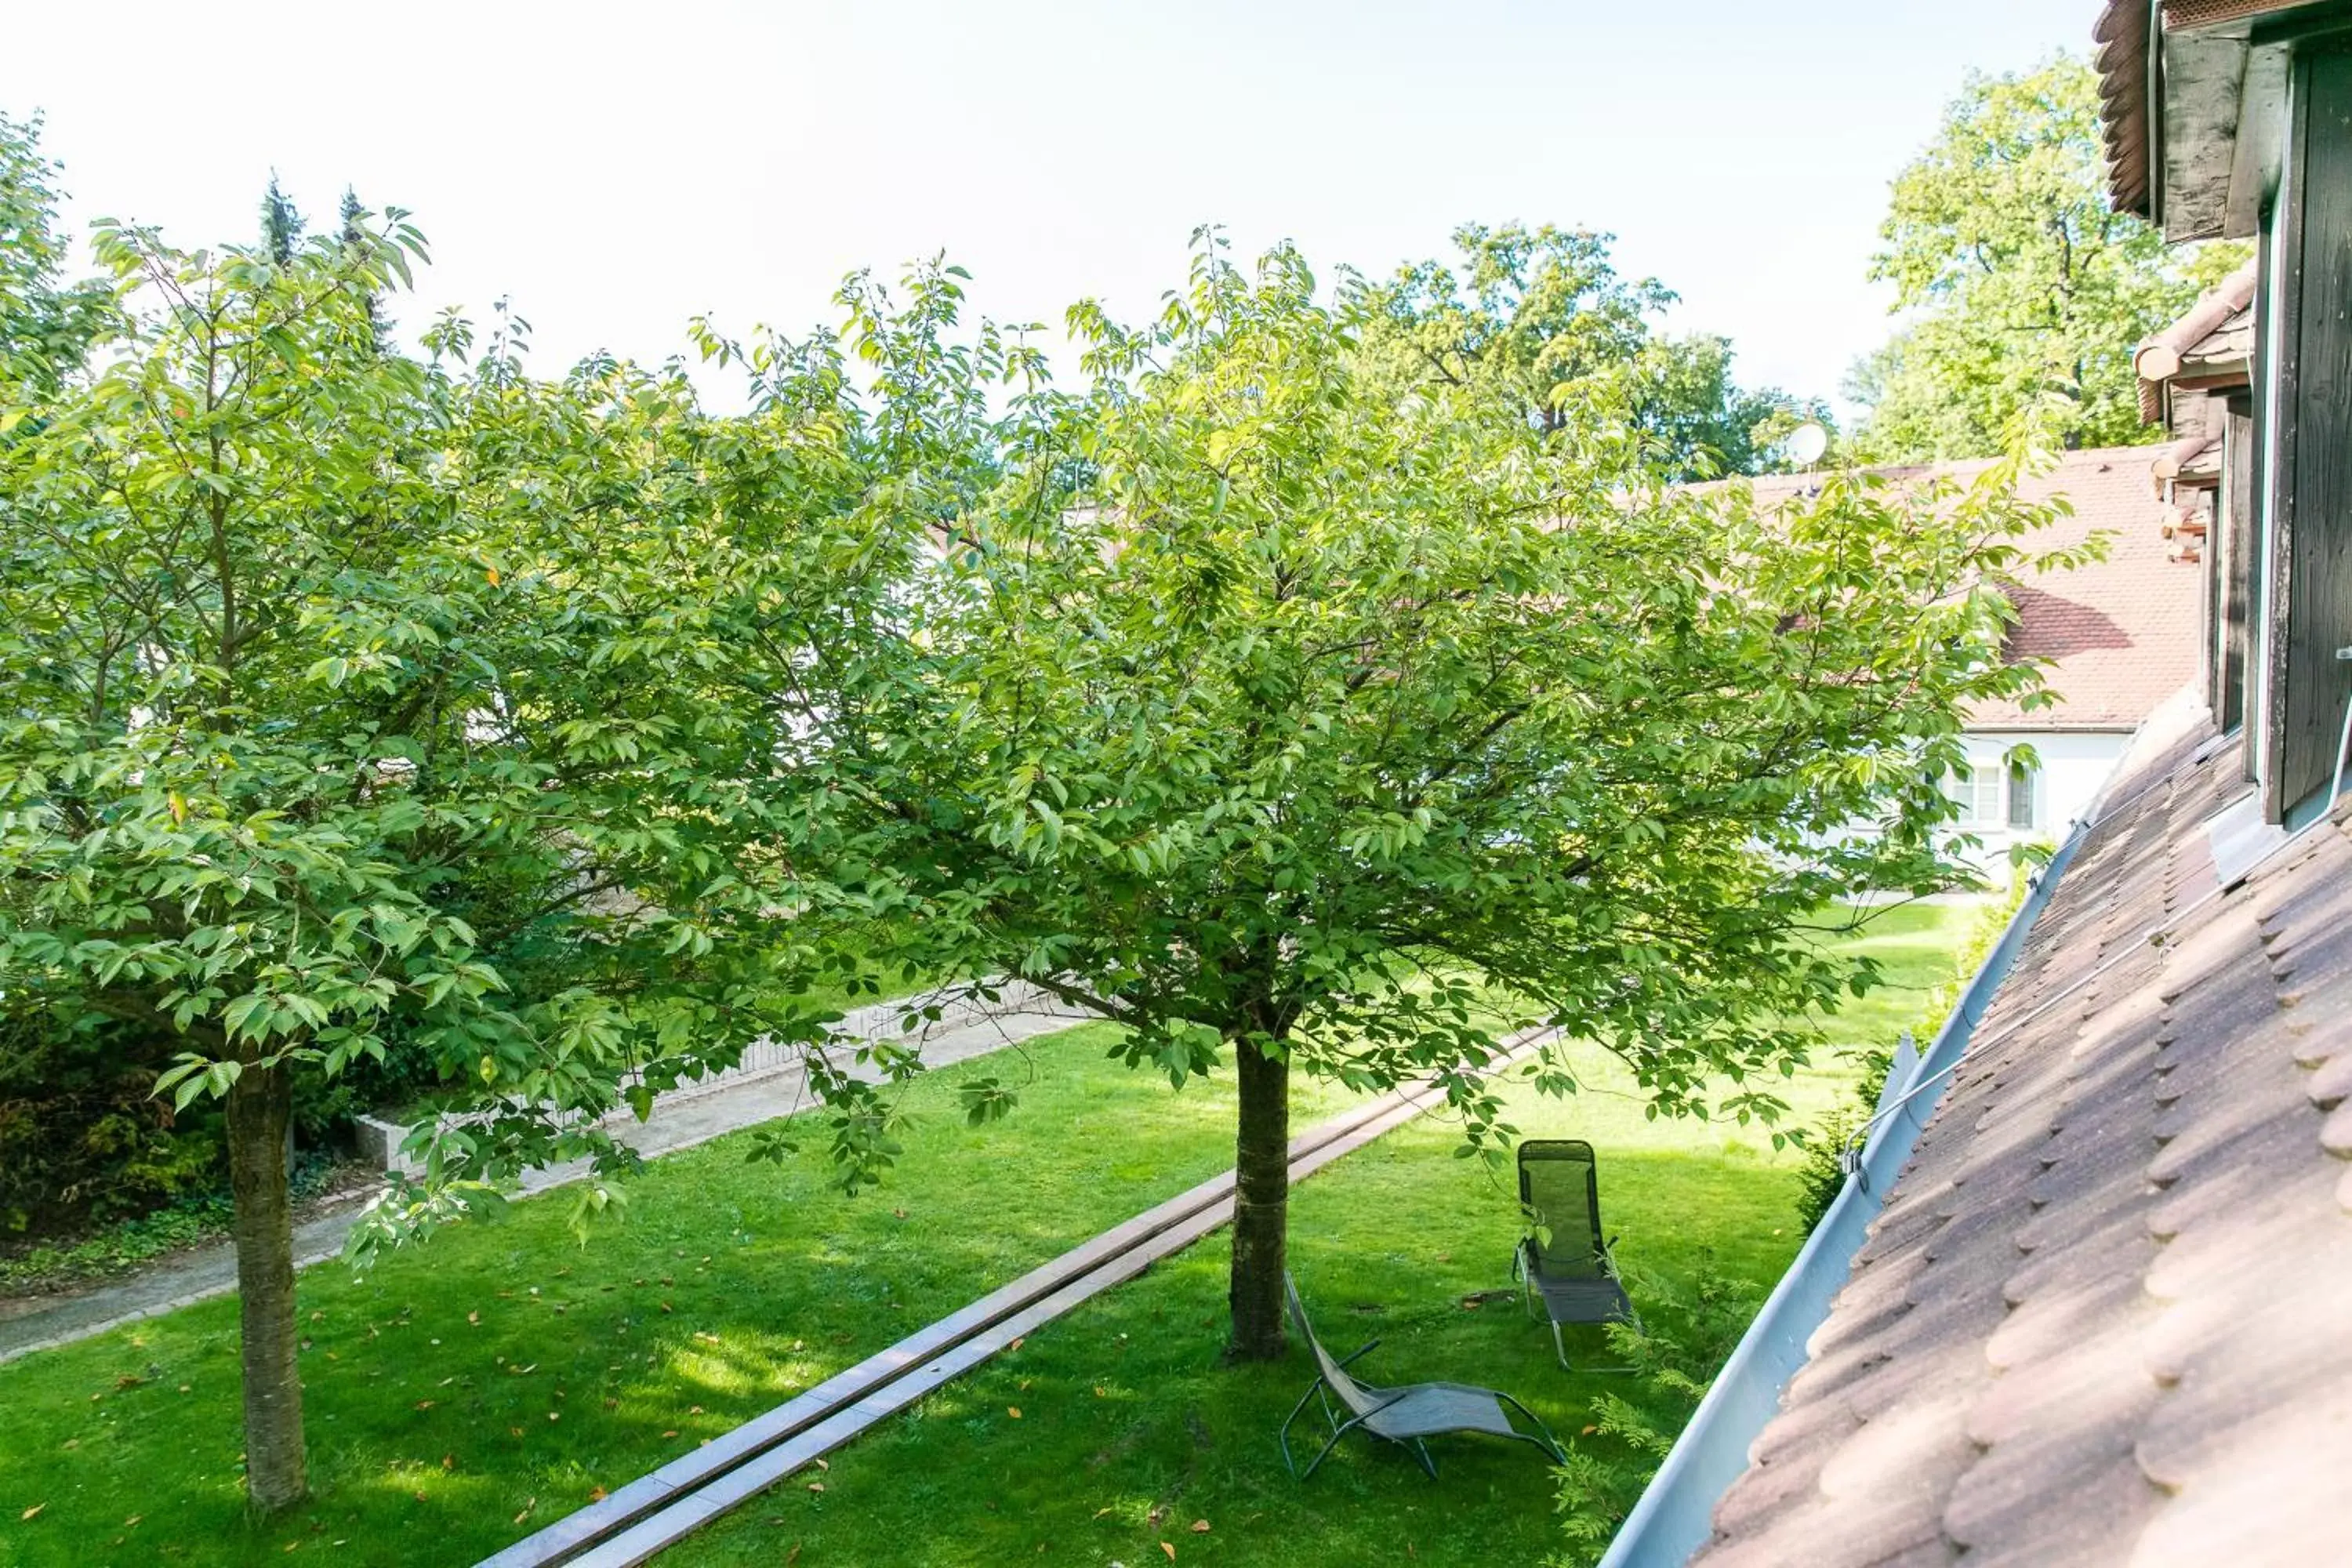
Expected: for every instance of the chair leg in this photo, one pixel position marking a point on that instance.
(1283, 1437)
(1559, 1349)
(1547, 1442)
(1421, 1452)
(1337, 1433)
(1317, 1462)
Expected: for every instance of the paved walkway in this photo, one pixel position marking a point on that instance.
(693, 1116)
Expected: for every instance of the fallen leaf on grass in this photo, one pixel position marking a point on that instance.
(133, 1521)
(1200, 1527)
(526, 1510)
(1013, 1411)
(32, 1512)
(472, 1316)
(694, 1410)
(822, 1466)
(420, 1496)
(816, 1486)
(1169, 1548)
(597, 1494)
(1100, 1512)
(671, 1433)
(425, 1405)
(667, 1308)
(794, 1554)
(1015, 1345)
(449, 1461)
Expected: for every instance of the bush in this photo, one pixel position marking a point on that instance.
(1822, 1175)
(80, 1137)
(1822, 1178)
(1673, 1360)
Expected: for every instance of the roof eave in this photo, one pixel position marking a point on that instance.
(2177, 79)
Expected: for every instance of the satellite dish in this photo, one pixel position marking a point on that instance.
(1807, 442)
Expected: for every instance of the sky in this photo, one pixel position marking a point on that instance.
(618, 170)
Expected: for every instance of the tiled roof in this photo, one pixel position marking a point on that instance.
(2213, 343)
(2121, 634)
(2105, 1315)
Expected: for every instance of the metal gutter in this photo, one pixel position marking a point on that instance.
(1676, 1515)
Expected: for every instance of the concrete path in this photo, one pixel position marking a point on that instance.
(681, 1121)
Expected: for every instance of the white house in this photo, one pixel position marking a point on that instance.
(2120, 636)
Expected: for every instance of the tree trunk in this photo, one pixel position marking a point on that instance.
(1260, 1205)
(261, 1105)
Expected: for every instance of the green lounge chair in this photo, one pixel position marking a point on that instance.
(1562, 1259)
(1406, 1417)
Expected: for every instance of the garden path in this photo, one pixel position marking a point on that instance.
(29, 1324)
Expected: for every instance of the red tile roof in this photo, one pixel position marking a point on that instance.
(2121, 634)
(2212, 345)
(2101, 1318)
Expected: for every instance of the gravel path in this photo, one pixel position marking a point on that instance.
(695, 1115)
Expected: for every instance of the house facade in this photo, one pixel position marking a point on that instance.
(2084, 1300)
(2116, 638)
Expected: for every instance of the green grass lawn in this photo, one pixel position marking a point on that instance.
(480, 1387)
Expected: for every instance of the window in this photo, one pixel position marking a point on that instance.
(1978, 792)
(2020, 797)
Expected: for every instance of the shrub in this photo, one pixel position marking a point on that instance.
(1674, 1360)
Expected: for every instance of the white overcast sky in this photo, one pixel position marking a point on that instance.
(617, 170)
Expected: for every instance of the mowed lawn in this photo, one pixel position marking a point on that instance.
(477, 1388)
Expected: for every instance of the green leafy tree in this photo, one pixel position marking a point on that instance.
(1545, 314)
(1699, 423)
(2018, 278)
(281, 224)
(1324, 728)
(46, 324)
(354, 219)
(356, 704)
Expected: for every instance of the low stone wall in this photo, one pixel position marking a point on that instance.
(380, 1139)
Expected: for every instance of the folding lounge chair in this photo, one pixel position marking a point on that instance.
(1562, 1258)
(1406, 1416)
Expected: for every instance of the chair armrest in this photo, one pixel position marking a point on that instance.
(1367, 1348)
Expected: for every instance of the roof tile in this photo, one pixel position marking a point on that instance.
(2101, 1318)
(2120, 634)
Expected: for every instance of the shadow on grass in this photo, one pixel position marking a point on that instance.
(502, 1377)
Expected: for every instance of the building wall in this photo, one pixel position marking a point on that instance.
(2073, 764)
